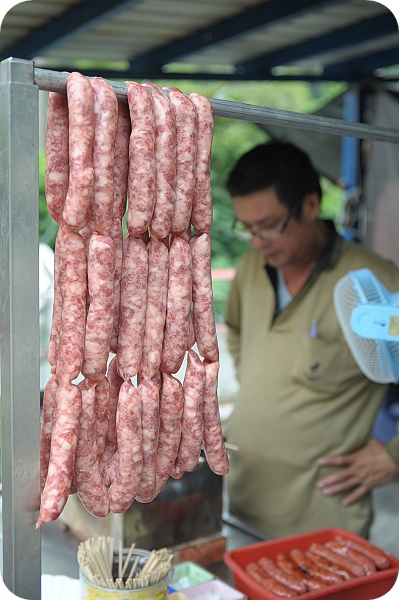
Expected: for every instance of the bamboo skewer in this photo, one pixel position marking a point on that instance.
(132, 570)
(132, 547)
(120, 560)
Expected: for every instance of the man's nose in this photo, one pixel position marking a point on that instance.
(258, 242)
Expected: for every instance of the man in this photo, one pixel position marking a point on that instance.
(304, 411)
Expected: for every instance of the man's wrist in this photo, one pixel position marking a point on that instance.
(392, 448)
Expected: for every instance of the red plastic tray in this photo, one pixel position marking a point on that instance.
(361, 588)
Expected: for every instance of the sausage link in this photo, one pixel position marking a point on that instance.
(178, 306)
(49, 403)
(203, 311)
(79, 198)
(73, 285)
(115, 382)
(305, 563)
(348, 564)
(214, 447)
(165, 157)
(130, 449)
(170, 416)
(142, 164)
(380, 559)
(117, 237)
(56, 318)
(185, 117)
(191, 334)
(157, 290)
(133, 306)
(57, 159)
(121, 171)
(98, 330)
(110, 469)
(121, 161)
(89, 484)
(364, 561)
(105, 127)
(149, 395)
(338, 570)
(192, 418)
(86, 233)
(202, 216)
(260, 576)
(101, 412)
(273, 570)
(286, 564)
(63, 451)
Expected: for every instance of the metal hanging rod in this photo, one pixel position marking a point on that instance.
(56, 81)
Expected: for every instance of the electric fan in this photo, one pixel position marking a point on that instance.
(369, 318)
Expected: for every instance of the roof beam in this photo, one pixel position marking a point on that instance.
(343, 38)
(364, 65)
(81, 17)
(268, 13)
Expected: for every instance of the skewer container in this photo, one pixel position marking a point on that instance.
(157, 591)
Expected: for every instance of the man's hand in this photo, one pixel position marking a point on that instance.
(361, 471)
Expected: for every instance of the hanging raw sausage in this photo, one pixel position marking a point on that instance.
(157, 289)
(170, 415)
(165, 157)
(89, 484)
(79, 198)
(192, 418)
(149, 395)
(133, 306)
(142, 164)
(57, 161)
(63, 451)
(202, 215)
(100, 316)
(178, 306)
(203, 312)
(105, 127)
(130, 449)
(186, 155)
(214, 447)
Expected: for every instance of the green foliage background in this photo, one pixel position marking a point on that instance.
(231, 139)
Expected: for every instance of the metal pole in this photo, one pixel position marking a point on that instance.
(350, 147)
(56, 81)
(19, 327)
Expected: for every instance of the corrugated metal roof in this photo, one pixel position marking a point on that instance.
(227, 39)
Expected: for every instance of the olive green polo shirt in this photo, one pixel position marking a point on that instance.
(302, 395)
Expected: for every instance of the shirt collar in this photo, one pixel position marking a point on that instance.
(331, 253)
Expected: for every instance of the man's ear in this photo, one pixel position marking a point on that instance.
(311, 206)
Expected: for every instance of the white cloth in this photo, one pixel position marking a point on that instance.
(60, 587)
(46, 298)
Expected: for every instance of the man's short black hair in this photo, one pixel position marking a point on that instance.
(279, 164)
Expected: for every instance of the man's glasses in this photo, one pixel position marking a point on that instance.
(266, 233)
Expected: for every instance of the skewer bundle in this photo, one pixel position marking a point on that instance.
(102, 565)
